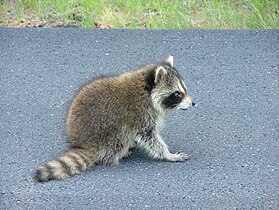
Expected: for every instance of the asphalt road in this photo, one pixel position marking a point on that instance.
(232, 133)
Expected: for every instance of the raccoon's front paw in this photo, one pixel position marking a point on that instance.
(178, 157)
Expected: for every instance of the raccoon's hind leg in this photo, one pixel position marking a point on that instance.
(129, 153)
(155, 146)
(113, 153)
(73, 162)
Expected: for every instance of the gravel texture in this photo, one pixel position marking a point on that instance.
(232, 133)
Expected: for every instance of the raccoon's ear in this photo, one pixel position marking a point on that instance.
(169, 60)
(160, 73)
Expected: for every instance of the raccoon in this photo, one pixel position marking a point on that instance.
(111, 115)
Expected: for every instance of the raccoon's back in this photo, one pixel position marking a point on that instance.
(104, 106)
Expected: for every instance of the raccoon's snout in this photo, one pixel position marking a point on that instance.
(186, 104)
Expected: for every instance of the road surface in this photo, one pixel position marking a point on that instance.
(232, 133)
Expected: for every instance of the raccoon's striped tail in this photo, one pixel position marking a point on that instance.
(73, 162)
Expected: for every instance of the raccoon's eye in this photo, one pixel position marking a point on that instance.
(178, 94)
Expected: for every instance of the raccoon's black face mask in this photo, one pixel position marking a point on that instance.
(169, 89)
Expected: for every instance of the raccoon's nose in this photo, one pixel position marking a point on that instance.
(193, 104)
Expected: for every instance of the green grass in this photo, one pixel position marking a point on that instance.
(153, 14)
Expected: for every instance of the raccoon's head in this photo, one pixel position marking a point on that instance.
(168, 89)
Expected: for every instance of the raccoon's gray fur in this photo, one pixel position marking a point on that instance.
(111, 115)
